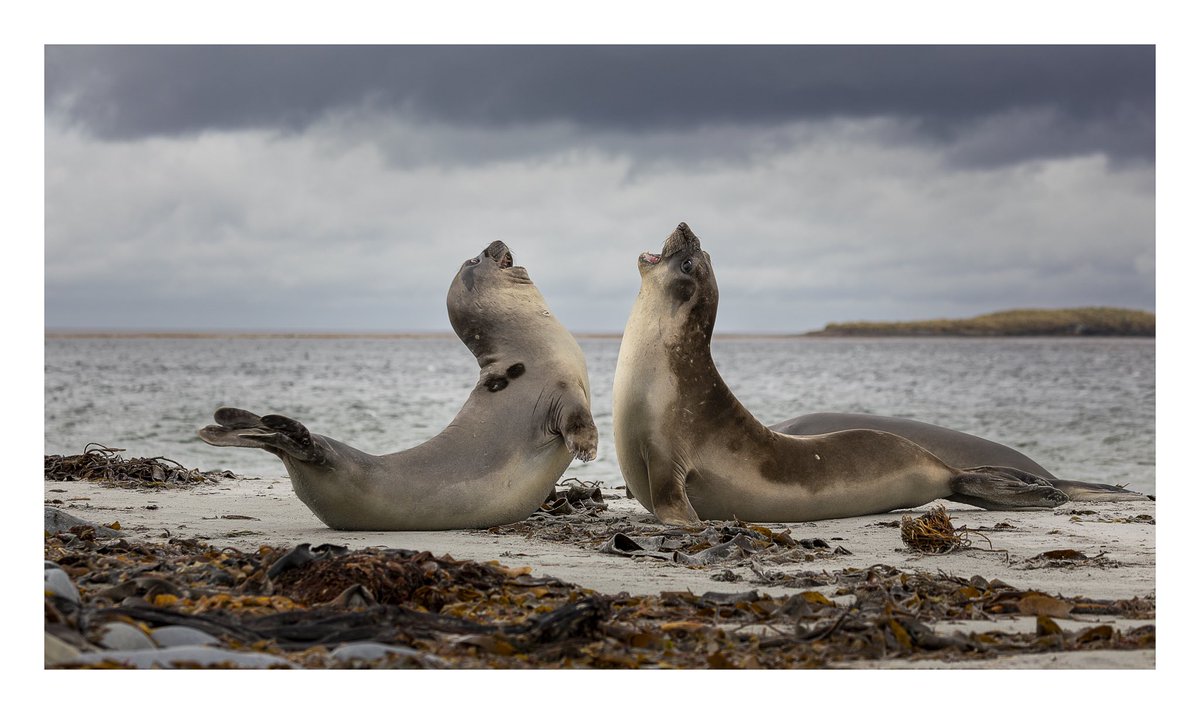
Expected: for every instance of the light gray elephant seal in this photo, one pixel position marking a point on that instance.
(689, 450)
(956, 448)
(528, 415)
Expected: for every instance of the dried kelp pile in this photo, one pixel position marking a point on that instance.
(329, 607)
(579, 515)
(583, 497)
(106, 465)
(932, 532)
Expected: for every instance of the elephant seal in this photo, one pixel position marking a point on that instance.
(689, 450)
(526, 418)
(956, 448)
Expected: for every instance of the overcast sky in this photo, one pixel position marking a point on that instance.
(339, 188)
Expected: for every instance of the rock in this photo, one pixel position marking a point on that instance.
(59, 584)
(371, 651)
(58, 521)
(184, 657)
(181, 636)
(58, 651)
(124, 637)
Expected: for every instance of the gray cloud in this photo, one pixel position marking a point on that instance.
(359, 221)
(1075, 99)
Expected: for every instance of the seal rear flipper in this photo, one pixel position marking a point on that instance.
(1003, 487)
(1087, 491)
(274, 433)
(235, 418)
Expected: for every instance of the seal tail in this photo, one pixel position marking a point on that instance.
(1004, 488)
(274, 433)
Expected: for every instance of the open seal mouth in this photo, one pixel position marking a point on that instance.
(500, 253)
(650, 258)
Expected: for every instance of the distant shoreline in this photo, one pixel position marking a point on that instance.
(1068, 322)
(1074, 322)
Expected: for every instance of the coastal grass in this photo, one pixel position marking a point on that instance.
(1083, 321)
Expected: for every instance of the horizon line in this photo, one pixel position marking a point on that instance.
(134, 333)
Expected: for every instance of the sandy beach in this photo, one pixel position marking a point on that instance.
(1102, 551)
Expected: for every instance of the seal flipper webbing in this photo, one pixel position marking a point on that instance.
(1004, 487)
(235, 418)
(277, 434)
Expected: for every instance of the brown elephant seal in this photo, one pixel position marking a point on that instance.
(689, 450)
(528, 415)
(956, 448)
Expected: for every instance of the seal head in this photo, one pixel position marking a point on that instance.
(679, 289)
(490, 297)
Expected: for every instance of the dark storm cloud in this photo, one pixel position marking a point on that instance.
(1063, 100)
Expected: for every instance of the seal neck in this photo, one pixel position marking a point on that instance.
(518, 340)
(704, 397)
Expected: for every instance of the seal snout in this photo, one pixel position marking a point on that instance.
(682, 238)
(500, 253)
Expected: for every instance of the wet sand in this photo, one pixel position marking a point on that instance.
(1114, 544)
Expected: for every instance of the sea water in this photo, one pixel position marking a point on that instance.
(1082, 407)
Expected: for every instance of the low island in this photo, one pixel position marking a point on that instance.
(1082, 321)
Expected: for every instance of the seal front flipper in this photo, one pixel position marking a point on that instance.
(578, 431)
(570, 417)
(273, 432)
(1004, 487)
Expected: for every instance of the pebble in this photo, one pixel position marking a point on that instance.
(57, 651)
(371, 651)
(185, 656)
(125, 637)
(180, 635)
(58, 520)
(59, 584)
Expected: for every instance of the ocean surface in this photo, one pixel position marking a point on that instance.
(1082, 407)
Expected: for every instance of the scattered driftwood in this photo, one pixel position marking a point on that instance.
(105, 465)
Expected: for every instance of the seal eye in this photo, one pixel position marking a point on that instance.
(472, 261)
(687, 266)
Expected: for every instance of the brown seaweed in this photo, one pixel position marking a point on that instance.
(303, 603)
(105, 465)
